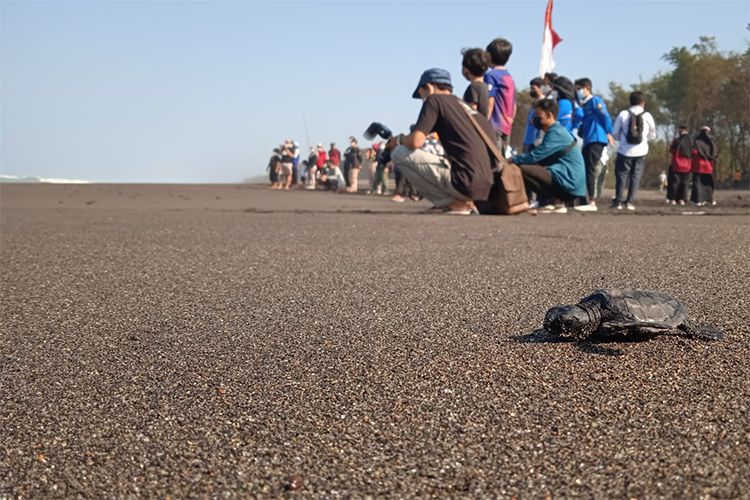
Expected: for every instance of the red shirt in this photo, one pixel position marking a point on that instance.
(321, 159)
(335, 156)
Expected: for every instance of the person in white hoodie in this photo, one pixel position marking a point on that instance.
(633, 128)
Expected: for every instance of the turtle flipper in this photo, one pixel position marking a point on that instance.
(700, 332)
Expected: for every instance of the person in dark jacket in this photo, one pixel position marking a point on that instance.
(352, 165)
(679, 169)
(704, 156)
(554, 170)
(273, 168)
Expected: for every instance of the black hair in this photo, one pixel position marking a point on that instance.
(547, 105)
(536, 82)
(500, 50)
(682, 127)
(550, 77)
(636, 98)
(584, 83)
(476, 61)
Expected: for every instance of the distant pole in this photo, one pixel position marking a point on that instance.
(307, 132)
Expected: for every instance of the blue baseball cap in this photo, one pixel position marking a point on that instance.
(433, 75)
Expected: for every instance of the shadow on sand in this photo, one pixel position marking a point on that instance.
(595, 345)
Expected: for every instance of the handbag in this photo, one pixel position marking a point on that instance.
(508, 192)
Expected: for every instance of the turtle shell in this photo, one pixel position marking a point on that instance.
(644, 309)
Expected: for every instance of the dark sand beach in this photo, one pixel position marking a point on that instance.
(232, 341)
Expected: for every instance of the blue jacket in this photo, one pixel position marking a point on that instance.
(569, 172)
(596, 123)
(568, 114)
(531, 131)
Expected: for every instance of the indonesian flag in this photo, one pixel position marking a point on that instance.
(550, 41)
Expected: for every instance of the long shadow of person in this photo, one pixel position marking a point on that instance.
(592, 345)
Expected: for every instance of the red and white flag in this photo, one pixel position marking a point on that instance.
(549, 42)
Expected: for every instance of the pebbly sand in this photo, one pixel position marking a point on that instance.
(234, 341)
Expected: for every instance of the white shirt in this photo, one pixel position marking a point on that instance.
(620, 130)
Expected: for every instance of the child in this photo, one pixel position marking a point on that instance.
(474, 65)
(501, 90)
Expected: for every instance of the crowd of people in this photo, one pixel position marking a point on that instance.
(454, 152)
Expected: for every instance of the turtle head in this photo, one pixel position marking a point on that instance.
(570, 321)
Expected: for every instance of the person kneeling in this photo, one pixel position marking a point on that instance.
(453, 182)
(554, 170)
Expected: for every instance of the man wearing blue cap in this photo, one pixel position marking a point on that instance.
(464, 175)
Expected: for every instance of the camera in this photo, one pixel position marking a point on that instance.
(377, 129)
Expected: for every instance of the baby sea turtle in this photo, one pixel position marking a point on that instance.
(610, 310)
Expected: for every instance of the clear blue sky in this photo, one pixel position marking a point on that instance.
(172, 91)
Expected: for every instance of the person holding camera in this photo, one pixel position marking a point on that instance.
(464, 175)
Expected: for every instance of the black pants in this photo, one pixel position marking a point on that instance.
(346, 171)
(539, 180)
(677, 186)
(592, 154)
(703, 188)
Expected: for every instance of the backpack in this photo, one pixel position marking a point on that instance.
(634, 134)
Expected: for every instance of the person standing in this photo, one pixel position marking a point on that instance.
(295, 161)
(633, 128)
(596, 131)
(679, 168)
(532, 136)
(287, 162)
(382, 160)
(273, 168)
(473, 67)
(334, 155)
(568, 114)
(501, 91)
(352, 165)
(322, 157)
(704, 156)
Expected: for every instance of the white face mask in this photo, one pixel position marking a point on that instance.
(581, 95)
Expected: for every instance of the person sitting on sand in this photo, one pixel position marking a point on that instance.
(554, 170)
(453, 182)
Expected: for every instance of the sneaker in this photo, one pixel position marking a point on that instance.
(398, 199)
(591, 207)
(630, 206)
(554, 209)
(534, 204)
(615, 205)
(681, 203)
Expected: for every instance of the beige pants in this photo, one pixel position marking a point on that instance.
(354, 179)
(286, 171)
(429, 175)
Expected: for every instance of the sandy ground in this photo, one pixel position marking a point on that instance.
(234, 341)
